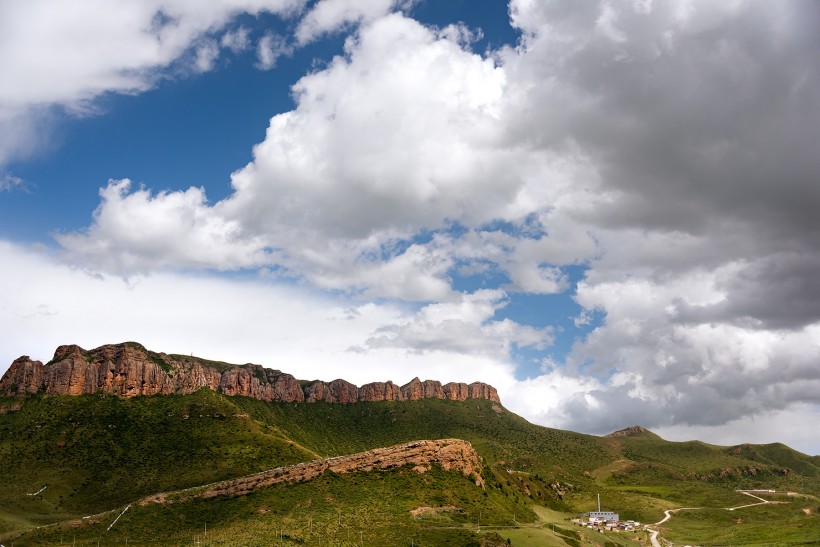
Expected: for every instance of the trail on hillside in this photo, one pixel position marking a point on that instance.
(668, 514)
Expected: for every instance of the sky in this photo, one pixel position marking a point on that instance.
(608, 210)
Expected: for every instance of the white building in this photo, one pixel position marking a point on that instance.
(598, 516)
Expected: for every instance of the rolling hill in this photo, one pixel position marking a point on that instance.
(68, 457)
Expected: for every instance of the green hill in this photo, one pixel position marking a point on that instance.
(96, 453)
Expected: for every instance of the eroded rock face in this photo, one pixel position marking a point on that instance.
(456, 391)
(24, 377)
(380, 391)
(450, 454)
(337, 391)
(130, 370)
(413, 390)
(480, 390)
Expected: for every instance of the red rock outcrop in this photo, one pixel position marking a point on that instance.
(432, 389)
(450, 454)
(456, 391)
(23, 377)
(130, 370)
(413, 390)
(480, 390)
(337, 391)
(380, 391)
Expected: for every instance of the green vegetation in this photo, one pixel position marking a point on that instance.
(774, 524)
(98, 453)
(373, 508)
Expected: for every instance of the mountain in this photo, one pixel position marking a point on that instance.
(96, 454)
(130, 370)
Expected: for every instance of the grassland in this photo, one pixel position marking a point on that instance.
(98, 453)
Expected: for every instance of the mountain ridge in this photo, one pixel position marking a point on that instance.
(128, 369)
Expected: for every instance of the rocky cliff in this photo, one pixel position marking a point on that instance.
(130, 370)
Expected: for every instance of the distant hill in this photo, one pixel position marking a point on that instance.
(632, 431)
(92, 455)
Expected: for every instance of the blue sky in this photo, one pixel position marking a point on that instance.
(606, 210)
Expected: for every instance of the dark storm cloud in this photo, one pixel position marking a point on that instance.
(778, 292)
(695, 121)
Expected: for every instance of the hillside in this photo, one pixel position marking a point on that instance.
(66, 457)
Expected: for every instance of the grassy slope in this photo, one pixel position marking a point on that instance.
(96, 452)
(370, 507)
(114, 451)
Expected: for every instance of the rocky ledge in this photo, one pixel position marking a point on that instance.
(450, 454)
(130, 370)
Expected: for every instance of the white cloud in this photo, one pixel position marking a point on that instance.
(136, 232)
(700, 374)
(268, 50)
(781, 426)
(237, 40)
(206, 54)
(10, 183)
(340, 148)
(328, 16)
(465, 326)
(277, 325)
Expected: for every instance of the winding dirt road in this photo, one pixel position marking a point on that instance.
(668, 514)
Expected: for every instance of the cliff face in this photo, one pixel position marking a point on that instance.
(129, 370)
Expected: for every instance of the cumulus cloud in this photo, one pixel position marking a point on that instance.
(408, 124)
(169, 229)
(700, 374)
(670, 148)
(689, 112)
